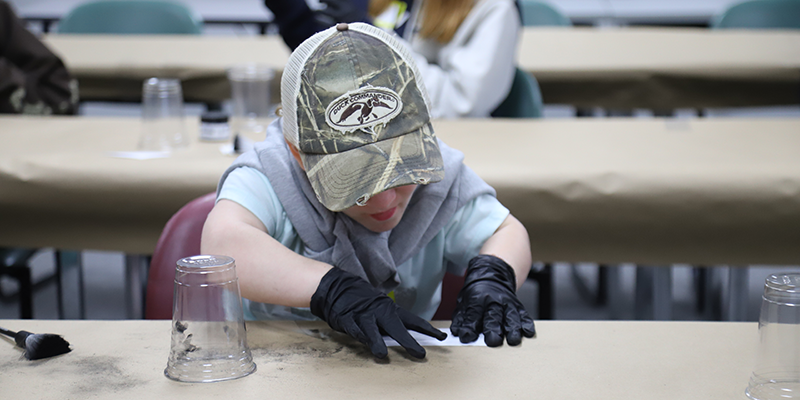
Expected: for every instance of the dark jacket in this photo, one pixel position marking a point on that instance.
(297, 22)
(33, 80)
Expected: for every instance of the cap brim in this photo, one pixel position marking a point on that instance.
(340, 180)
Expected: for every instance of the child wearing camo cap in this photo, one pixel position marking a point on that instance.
(351, 198)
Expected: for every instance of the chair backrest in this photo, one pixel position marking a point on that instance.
(523, 101)
(451, 285)
(760, 14)
(180, 238)
(131, 17)
(538, 13)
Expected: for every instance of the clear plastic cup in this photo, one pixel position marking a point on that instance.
(777, 371)
(250, 94)
(209, 340)
(163, 126)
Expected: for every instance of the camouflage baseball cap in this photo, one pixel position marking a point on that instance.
(355, 106)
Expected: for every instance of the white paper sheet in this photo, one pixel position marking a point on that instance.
(425, 340)
(139, 155)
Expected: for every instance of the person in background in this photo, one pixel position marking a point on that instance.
(465, 49)
(297, 21)
(33, 80)
(351, 210)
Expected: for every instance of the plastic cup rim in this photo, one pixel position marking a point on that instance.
(156, 85)
(224, 263)
(774, 282)
(251, 72)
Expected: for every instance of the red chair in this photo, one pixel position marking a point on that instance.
(451, 284)
(181, 238)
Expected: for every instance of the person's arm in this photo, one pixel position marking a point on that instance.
(488, 301)
(268, 272)
(471, 80)
(271, 273)
(511, 244)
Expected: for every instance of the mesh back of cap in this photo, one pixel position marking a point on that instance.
(291, 79)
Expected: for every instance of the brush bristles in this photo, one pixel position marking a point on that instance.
(43, 345)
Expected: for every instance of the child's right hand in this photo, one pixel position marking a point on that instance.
(351, 305)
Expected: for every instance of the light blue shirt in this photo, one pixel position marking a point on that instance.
(421, 276)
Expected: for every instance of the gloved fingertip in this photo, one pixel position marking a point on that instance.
(417, 353)
(492, 339)
(378, 349)
(467, 336)
(440, 335)
(514, 338)
(380, 353)
(529, 331)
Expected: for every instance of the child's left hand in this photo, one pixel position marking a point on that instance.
(488, 304)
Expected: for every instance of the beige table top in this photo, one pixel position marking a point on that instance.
(567, 360)
(614, 68)
(700, 191)
(114, 66)
(663, 68)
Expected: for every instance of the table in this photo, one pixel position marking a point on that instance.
(598, 360)
(623, 68)
(113, 67)
(698, 191)
(652, 192)
(663, 68)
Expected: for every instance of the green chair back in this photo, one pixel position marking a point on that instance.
(523, 101)
(760, 14)
(131, 17)
(537, 13)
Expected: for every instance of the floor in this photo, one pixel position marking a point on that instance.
(104, 290)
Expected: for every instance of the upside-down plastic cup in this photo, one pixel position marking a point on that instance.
(251, 98)
(209, 340)
(162, 116)
(777, 371)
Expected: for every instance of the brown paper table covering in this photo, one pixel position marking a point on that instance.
(659, 68)
(568, 360)
(113, 67)
(663, 68)
(700, 191)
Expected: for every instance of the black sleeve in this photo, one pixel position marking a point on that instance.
(32, 78)
(297, 22)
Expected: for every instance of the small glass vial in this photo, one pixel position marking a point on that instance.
(214, 126)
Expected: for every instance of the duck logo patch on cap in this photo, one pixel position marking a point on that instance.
(363, 109)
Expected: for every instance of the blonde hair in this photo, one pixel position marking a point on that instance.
(440, 18)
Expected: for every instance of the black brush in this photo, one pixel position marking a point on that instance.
(38, 345)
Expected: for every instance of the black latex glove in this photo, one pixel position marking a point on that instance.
(488, 304)
(351, 305)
